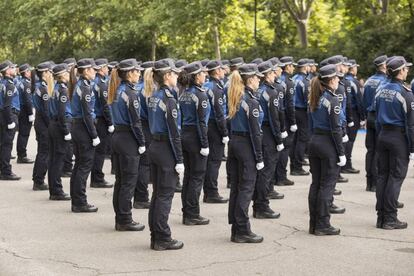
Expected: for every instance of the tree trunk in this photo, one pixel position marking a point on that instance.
(217, 39)
(303, 32)
(153, 45)
(384, 6)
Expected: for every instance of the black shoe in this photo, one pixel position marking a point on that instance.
(247, 238)
(196, 221)
(142, 204)
(215, 199)
(88, 208)
(166, 245)
(268, 214)
(133, 226)
(300, 172)
(400, 205)
(275, 195)
(285, 182)
(395, 224)
(342, 179)
(40, 187)
(336, 210)
(66, 174)
(327, 231)
(380, 221)
(337, 192)
(304, 162)
(11, 176)
(104, 184)
(63, 196)
(350, 171)
(24, 160)
(178, 188)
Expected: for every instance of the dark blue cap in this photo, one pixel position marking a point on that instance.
(324, 62)
(44, 66)
(113, 64)
(336, 60)
(303, 62)
(288, 60)
(265, 67)
(194, 68)
(60, 68)
(213, 65)
(147, 64)
(129, 64)
(236, 61)
(6, 65)
(328, 71)
(100, 62)
(276, 62)
(204, 62)
(181, 63)
(398, 63)
(24, 67)
(257, 61)
(86, 63)
(166, 65)
(250, 69)
(380, 60)
(70, 61)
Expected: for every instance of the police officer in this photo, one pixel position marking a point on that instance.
(59, 132)
(358, 114)
(288, 66)
(245, 149)
(26, 116)
(195, 109)
(84, 135)
(326, 129)
(42, 90)
(394, 105)
(165, 150)
(9, 109)
(370, 89)
(301, 91)
(218, 135)
(272, 141)
(128, 143)
(104, 125)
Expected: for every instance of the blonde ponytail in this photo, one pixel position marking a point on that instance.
(236, 90)
(113, 85)
(149, 84)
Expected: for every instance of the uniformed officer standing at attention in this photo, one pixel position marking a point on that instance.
(218, 135)
(326, 151)
(370, 89)
(26, 116)
(59, 132)
(104, 125)
(272, 141)
(9, 109)
(394, 105)
(43, 88)
(165, 150)
(245, 149)
(195, 109)
(84, 135)
(128, 143)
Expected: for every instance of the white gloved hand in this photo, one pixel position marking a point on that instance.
(204, 151)
(284, 134)
(31, 118)
(259, 166)
(411, 155)
(68, 137)
(96, 141)
(11, 126)
(342, 161)
(345, 139)
(293, 128)
(280, 147)
(225, 139)
(351, 124)
(179, 168)
(141, 150)
(362, 123)
(111, 129)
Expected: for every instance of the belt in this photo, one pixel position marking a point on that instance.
(160, 137)
(392, 127)
(240, 133)
(322, 131)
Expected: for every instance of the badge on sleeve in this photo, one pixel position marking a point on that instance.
(28, 90)
(291, 91)
(136, 104)
(220, 101)
(276, 102)
(105, 94)
(9, 93)
(281, 95)
(174, 113)
(256, 113)
(337, 109)
(63, 99)
(204, 104)
(412, 105)
(340, 97)
(45, 97)
(88, 98)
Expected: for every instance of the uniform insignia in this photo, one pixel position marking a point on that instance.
(136, 104)
(10, 81)
(337, 109)
(88, 98)
(44, 83)
(168, 93)
(220, 101)
(27, 80)
(340, 97)
(174, 113)
(64, 85)
(105, 94)
(45, 97)
(28, 90)
(204, 104)
(281, 95)
(291, 91)
(276, 102)
(85, 82)
(256, 113)
(412, 105)
(9, 93)
(63, 99)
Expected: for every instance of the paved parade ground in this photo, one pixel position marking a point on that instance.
(42, 237)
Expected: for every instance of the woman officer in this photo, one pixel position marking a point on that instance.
(85, 137)
(326, 129)
(165, 150)
(59, 131)
(128, 143)
(245, 149)
(195, 110)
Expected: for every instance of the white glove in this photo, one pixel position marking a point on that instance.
(293, 128)
(68, 137)
(225, 139)
(111, 129)
(284, 134)
(11, 126)
(259, 166)
(141, 150)
(179, 168)
(342, 161)
(411, 155)
(362, 123)
(351, 124)
(280, 147)
(31, 118)
(204, 151)
(96, 141)
(345, 139)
